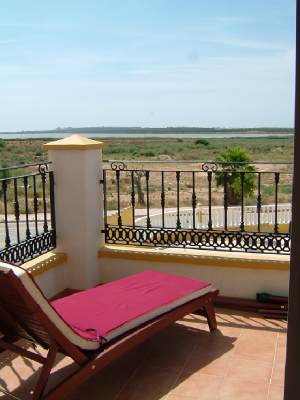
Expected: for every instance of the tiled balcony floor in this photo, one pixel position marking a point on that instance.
(243, 360)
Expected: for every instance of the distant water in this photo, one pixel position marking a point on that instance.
(103, 135)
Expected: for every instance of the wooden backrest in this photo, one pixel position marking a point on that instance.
(26, 313)
(17, 319)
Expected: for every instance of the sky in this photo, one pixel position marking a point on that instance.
(147, 63)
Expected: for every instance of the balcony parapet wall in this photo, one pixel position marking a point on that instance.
(236, 275)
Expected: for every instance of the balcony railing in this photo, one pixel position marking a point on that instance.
(257, 223)
(251, 217)
(26, 211)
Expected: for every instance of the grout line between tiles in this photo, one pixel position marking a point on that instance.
(246, 316)
(139, 366)
(180, 372)
(273, 364)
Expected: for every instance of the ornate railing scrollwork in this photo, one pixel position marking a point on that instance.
(200, 239)
(118, 166)
(209, 166)
(43, 168)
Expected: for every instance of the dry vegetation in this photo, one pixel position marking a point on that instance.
(181, 153)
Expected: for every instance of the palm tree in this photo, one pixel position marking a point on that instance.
(236, 163)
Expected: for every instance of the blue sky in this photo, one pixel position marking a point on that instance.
(149, 63)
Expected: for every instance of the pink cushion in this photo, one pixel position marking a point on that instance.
(98, 312)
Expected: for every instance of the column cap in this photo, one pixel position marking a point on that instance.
(74, 142)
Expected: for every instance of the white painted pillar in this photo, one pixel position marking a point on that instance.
(77, 166)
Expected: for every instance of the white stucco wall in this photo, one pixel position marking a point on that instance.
(53, 281)
(231, 281)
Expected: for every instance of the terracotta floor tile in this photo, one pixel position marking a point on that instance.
(256, 320)
(94, 390)
(195, 323)
(59, 374)
(283, 324)
(174, 343)
(278, 374)
(226, 332)
(207, 365)
(216, 348)
(259, 336)
(15, 360)
(240, 390)
(11, 377)
(18, 381)
(6, 357)
(231, 311)
(17, 393)
(198, 385)
(280, 355)
(276, 392)
(167, 358)
(183, 332)
(235, 321)
(137, 354)
(134, 393)
(153, 378)
(241, 360)
(174, 396)
(282, 338)
(118, 372)
(255, 352)
(61, 362)
(9, 357)
(194, 318)
(217, 334)
(152, 340)
(250, 370)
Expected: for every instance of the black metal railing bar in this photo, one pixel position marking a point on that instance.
(27, 208)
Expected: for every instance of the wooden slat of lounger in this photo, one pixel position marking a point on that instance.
(36, 322)
(22, 326)
(118, 347)
(23, 316)
(35, 331)
(7, 320)
(23, 352)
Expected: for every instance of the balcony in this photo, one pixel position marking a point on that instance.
(243, 359)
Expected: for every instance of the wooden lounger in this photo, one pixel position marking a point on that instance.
(96, 326)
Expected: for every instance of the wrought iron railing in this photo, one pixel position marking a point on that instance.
(140, 189)
(27, 214)
(251, 217)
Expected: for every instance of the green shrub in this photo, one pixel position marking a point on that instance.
(286, 189)
(4, 174)
(268, 190)
(202, 141)
(149, 154)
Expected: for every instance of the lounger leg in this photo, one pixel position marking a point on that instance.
(210, 315)
(208, 312)
(40, 387)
